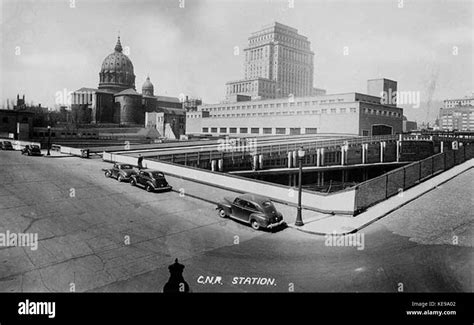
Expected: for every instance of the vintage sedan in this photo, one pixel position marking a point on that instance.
(256, 210)
(151, 180)
(122, 172)
(6, 145)
(31, 150)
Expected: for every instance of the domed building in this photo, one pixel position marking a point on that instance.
(116, 101)
(117, 71)
(147, 88)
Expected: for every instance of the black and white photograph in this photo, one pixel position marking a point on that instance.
(260, 159)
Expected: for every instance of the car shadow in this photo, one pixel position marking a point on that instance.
(266, 230)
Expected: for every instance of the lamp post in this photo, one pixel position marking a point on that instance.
(299, 220)
(49, 140)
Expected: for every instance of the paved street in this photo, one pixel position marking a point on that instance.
(101, 235)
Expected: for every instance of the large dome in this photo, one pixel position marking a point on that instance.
(117, 71)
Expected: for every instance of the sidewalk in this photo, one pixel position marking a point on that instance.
(345, 225)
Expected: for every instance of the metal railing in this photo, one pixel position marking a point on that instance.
(396, 181)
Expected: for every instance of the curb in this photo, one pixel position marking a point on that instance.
(45, 156)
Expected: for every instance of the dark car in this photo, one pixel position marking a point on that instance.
(122, 172)
(151, 180)
(256, 210)
(31, 150)
(6, 145)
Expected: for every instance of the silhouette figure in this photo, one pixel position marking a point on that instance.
(176, 282)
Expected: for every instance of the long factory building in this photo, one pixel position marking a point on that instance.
(347, 113)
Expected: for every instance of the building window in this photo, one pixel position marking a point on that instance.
(324, 111)
(311, 131)
(353, 110)
(255, 130)
(232, 130)
(213, 130)
(295, 130)
(267, 130)
(365, 133)
(244, 130)
(280, 131)
(333, 111)
(223, 130)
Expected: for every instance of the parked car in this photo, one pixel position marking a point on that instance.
(6, 145)
(151, 180)
(122, 172)
(31, 150)
(256, 210)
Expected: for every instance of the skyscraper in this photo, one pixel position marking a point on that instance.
(278, 63)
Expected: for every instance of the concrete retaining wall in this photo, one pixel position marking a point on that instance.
(71, 151)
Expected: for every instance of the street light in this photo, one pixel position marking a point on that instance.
(49, 140)
(299, 220)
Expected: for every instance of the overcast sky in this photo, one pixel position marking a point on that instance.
(190, 50)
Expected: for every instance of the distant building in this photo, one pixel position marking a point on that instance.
(348, 113)
(116, 100)
(191, 104)
(457, 114)
(278, 63)
(16, 124)
(466, 101)
(409, 126)
(170, 122)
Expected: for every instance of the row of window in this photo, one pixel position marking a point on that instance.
(322, 111)
(381, 112)
(290, 103)
(278, 113)
(279, 37)
(244, 130)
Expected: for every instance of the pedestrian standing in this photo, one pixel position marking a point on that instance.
(140, 160)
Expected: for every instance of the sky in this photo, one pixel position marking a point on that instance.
(51, 46)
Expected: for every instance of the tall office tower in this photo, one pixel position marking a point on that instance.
(278, 63)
